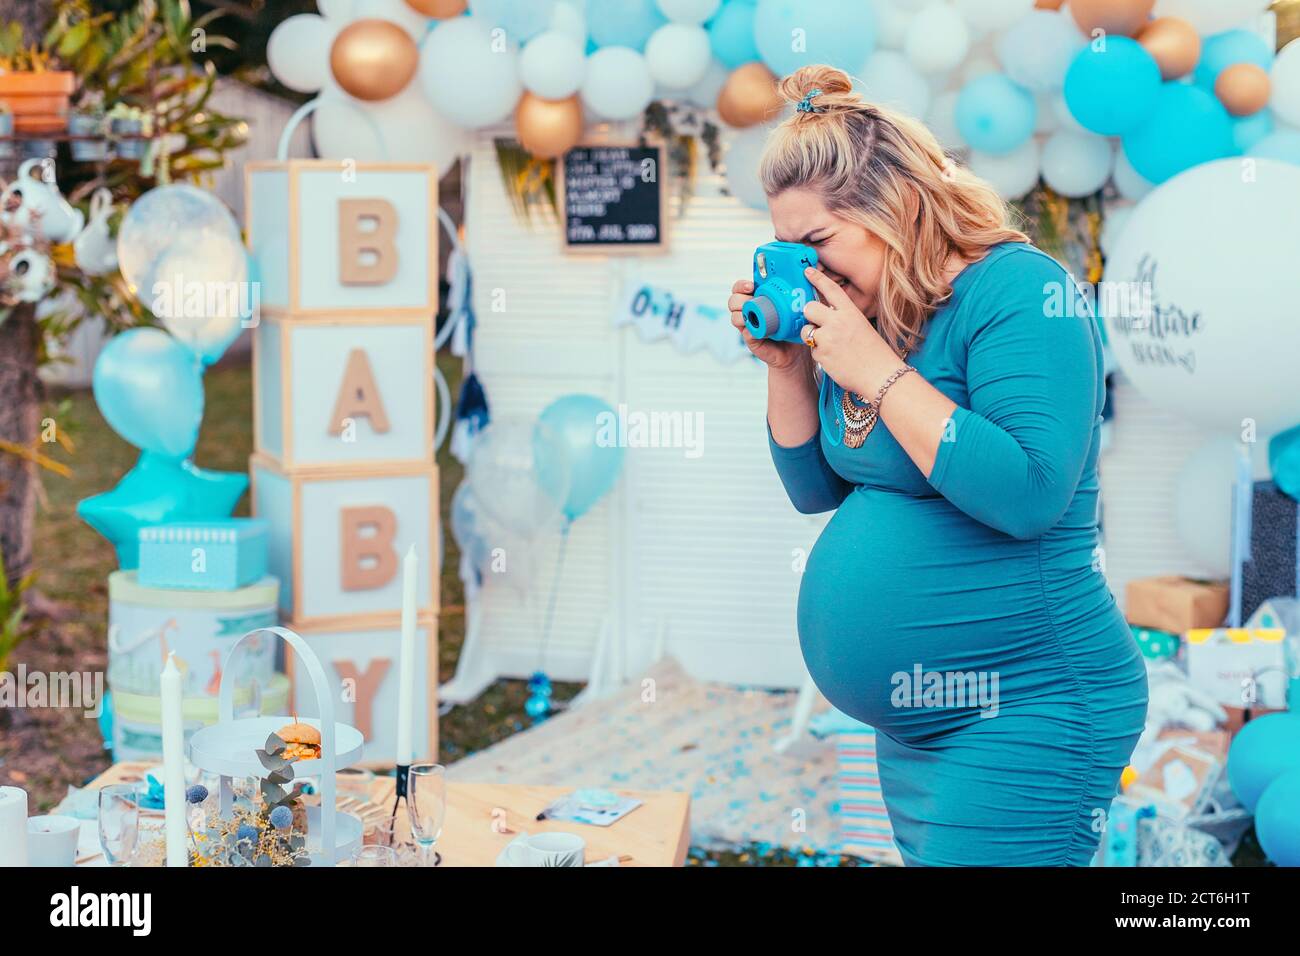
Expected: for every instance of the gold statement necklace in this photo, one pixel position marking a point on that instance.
(860, 415)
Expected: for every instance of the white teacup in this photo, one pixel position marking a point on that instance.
(547, 849)
(31, 275)
(52, 840)
(35, 205)
(95, 249)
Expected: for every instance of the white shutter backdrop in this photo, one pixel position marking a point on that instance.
(701, 551)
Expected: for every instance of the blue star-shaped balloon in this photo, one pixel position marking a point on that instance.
(157, 490)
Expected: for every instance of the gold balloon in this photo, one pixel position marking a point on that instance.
(1243, 88)
(1122, 17)
(548, 128)
(749, 96)
(1174, 43)
(374, 59)
(438, 9)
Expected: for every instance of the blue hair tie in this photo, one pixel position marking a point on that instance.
(806, 104)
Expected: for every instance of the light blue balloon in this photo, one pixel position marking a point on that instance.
(521, 19)
(1187, 127)
(627, 23)
(1249, 130)
(587, 432)
(731, 34)
(795, 33)
(1284, 144)
(1113, 89)
(1262, 751)
(149, 388)
(1277, 819)
(157, 490)
(995, 115)
(1222, 50)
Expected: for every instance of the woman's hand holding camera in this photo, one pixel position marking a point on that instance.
(778, 356)
(843, 341)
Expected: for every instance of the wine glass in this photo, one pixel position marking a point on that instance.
(375, 855)
(119, 821)
(426, 802)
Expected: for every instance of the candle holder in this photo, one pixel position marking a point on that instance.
(401, 777)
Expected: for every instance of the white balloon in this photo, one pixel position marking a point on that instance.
(342, 129)
(340, 10)
(1217, 351)
(470, 75)
(1012, 174)
(743, 156)
(1077, 164)
(416, 24)
(1212, 16)
(1130, 183)
(552, 65)
(678, 55)
(570, 18)
(942, 120)
(298, 52)
(1036, 51)
(414, 132)
(937, 38)
(705, 93)
(689, 11)
(1114, 220)
(1064, 118)
(618, 85)
(891, 25)
(986, 16)
(889, 79)
(1285, 79)
(1203, 503)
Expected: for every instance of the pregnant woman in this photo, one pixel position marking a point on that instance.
(946, 404)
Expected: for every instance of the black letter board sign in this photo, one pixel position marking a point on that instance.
(613, 198)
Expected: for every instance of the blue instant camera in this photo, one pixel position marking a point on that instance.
(780, 291)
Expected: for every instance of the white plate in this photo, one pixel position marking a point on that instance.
(229, 748)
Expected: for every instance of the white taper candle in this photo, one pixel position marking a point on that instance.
(173, 745)
(406, 667)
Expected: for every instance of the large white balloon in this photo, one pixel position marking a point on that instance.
(1077, 164)
(552, 65)
(937, 38)
(470, 75)
(1203, 503)
(1285, 79)
(689, 11)
(298, 52)
(398, 11)
(414, 132)
(743, 157)
(889, 79)
(678, 55)
(1212, 16)
(618, 84)
(1012, 174)
(1038, 48)
(987, 16)
(1214, 252)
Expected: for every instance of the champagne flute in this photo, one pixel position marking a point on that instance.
(426, 803)
(119, 821)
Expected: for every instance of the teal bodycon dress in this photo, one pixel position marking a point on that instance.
(965, 616)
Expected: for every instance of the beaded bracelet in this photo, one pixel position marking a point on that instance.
(898, 373)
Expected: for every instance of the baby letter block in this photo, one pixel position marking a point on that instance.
(363, 669)
(331, 237)
(337, 540)
(339, 391)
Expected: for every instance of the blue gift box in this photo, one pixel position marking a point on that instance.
(204, 555)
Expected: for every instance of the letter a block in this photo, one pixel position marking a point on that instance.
(343, 238)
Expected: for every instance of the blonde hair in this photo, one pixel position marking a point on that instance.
(888, 173)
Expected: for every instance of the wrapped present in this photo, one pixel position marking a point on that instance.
(1175, 604)
(204, 556)
(1265, 557)
(1178, 783)
(1238, 667)
(1155, 644)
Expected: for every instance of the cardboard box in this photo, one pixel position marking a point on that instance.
(1176, 604)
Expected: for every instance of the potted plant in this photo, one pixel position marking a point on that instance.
(131, 128)
(88, 120)
(35, 91)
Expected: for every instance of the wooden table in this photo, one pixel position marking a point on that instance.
(483, 817)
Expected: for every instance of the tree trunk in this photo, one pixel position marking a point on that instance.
(19, 424)
(19, 386)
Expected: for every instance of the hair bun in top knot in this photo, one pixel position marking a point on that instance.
(820, 89)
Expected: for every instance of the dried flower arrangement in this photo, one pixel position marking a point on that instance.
(268, 828)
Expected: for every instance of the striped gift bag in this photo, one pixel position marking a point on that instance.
(864, 822)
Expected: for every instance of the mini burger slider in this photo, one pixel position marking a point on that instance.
(302, 741)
